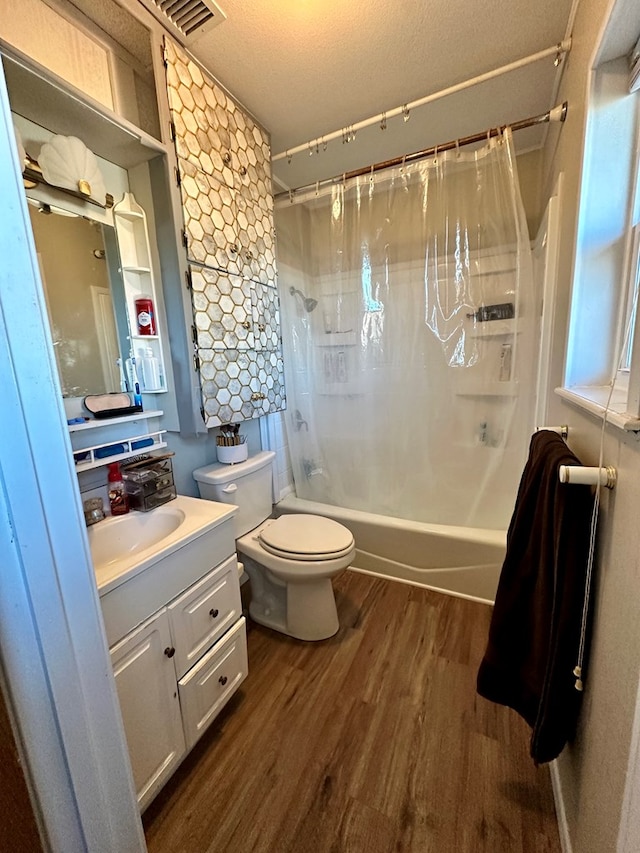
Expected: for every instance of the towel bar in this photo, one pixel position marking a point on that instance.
(582, 476)
(561, 430)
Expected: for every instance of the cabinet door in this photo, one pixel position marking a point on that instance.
(146, 682)
(266, 317)
(209, 685)
(238, 385)
(222, 310)
(203, 613)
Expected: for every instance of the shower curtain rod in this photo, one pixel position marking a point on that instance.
(557, 50)
(558, 113)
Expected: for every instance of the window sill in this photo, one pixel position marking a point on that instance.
(593, 399)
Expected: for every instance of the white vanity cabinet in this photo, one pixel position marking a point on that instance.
(146, 682)
(178, 647)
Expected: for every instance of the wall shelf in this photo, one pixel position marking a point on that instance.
(41, 96)
(96, 423)
(136, 269)
(96, 462)
(135, 255)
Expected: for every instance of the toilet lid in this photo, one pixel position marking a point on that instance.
(306, 537)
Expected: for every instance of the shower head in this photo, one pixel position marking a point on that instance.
(308, 303)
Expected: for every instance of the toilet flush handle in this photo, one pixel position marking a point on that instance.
(230, 489)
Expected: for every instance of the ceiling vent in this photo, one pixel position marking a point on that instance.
(188, 19)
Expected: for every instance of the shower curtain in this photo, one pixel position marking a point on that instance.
(409, 329)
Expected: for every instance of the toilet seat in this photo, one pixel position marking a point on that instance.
(306, 538)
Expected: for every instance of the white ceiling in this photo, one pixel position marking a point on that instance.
(306, 68)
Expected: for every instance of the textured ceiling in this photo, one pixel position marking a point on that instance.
(306, 68)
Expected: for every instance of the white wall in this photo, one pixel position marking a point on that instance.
(592, 770)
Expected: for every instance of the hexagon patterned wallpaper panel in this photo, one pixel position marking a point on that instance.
(225, 183)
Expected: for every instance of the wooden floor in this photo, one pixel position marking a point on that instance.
(372, 741)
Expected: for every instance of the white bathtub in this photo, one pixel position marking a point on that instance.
(463, 561)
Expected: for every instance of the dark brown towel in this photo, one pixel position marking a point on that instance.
(535, 627)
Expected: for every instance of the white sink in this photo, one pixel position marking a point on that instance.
(121, 536)
(124, 545)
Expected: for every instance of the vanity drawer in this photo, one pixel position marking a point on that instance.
(202, 614)
(207, 687)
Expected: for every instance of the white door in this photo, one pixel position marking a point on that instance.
(148, 692)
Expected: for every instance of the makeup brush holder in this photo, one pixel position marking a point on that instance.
(233, 453)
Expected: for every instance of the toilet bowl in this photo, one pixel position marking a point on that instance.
(290, 560)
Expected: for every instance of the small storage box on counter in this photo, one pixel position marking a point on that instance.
(149, 482)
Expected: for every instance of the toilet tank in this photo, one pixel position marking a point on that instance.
(248, 485)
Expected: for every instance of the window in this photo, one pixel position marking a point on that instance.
(606, 280)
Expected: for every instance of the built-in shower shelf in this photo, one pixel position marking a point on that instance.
(494, 329)
(337, 339)
(473, 388)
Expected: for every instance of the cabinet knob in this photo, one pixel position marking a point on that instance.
(233, 248)
(249, 256)
(246, 324)
(258, 395)
(223, 680)
(169, 651)
(226, 158)
(261, 327)
(213, 612)
(243, 170)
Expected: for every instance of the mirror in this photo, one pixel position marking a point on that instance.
(79, 264)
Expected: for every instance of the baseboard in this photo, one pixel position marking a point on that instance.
(561, 814)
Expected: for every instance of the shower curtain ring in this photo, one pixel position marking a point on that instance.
(457, 148)
(435, 155)
(317, 187)
(371, 178)
(310, 146)
(558, 58)
(288, 158)
(324, 144)
(405, 113)
(383, 121)
(291, 196)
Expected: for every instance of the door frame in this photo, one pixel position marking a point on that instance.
(53, 649)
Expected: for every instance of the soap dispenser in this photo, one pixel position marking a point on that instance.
(117, 495)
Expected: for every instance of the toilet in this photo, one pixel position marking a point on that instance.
(290, 560)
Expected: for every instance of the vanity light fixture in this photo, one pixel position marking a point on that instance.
(67, 162)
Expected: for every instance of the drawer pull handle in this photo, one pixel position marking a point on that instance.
(223, 680)
(213, 613)
(169, 651)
